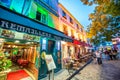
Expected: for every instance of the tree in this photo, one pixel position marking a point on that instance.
(102, 20)
(107, 33)
(111, 7)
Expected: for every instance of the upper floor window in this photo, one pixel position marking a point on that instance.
(71, 21)
(64, 14)
(38, 16)
(44, 18)
(41, 17)
(72, 34)
(65, 29)
(81, 29)
(77, 26)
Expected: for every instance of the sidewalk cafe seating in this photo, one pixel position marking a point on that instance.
(72, 66)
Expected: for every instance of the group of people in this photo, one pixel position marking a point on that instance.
(110, 55)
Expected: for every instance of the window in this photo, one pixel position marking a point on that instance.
(51, 46)
(71, 21)
(81, 30)
(72, 34)
(65, 30)
(41, 17)
(38, 16)
(63, 14)
(77, 27)
(44, 18)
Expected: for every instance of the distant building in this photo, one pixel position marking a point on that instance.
(71, 28)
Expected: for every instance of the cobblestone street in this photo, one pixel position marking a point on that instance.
(109, 70)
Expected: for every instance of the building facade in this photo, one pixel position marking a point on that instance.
(72, 28)
(28, 26)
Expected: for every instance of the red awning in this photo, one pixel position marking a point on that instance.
(78, 42)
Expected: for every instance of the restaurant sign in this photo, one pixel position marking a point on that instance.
(20, 28)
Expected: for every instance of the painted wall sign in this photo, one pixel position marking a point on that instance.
(14, 35)
(16, 27)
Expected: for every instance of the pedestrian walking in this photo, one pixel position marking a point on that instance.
(98, 57)
(114, 53)
(111, 54)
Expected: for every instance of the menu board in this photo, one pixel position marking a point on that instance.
(50, 62)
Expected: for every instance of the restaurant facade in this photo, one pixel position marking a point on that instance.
(27, 40)
(72, 28)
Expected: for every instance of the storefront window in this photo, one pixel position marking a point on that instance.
(21, 49)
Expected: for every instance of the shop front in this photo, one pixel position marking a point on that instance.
(69, 52)
(21, 51)
(26, 41)
(73, 50)
(50, 47)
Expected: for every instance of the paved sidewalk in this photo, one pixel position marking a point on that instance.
(109, 70)
(88, 73)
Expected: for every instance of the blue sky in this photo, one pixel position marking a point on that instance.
(78, 10)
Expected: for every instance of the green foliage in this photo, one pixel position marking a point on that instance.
(4, 62)
(102, 17)
(112, 9)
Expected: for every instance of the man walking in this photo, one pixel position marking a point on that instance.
(99, 57)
